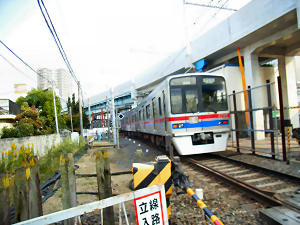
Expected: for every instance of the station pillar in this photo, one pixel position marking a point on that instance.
(253, 79)
(287, 72)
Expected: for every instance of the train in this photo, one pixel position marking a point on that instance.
(191, 108)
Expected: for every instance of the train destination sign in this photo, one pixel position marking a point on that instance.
(149, 209)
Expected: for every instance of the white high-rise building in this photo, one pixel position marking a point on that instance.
(43, 78)
(62, 81)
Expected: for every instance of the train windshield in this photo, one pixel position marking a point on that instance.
(198, 94)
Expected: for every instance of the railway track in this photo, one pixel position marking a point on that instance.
(270, 188)
(279, 193)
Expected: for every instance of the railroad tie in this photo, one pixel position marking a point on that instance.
(269, 184)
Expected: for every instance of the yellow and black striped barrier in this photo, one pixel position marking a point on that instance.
(202, 205)
(180, 180)
(163, 171)
(151, 173)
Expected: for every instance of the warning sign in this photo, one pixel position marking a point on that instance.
(149, 209)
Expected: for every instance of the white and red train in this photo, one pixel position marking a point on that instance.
(191, 108)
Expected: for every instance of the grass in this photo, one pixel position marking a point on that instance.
(50, 163)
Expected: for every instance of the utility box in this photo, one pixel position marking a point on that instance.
(151, 173)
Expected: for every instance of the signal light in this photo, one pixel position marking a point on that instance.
(179, 125)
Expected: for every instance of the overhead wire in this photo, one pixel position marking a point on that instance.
(56, 38)
(25, 63)
(16, 68)
(58, 42)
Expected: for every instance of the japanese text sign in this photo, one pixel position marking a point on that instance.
(149, 209)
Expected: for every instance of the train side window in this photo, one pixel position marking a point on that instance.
(148, 111)
(159, 106)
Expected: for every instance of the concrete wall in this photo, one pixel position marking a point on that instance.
(41, 143)
(5, 124)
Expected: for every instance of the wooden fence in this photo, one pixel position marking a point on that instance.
(21, 189)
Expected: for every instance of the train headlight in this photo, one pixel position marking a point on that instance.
(179, 125)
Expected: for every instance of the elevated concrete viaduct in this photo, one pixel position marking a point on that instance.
(263, 30)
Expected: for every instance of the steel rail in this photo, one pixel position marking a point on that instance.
(259, 194)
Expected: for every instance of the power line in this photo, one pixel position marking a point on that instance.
(56, 122)
(210, 6)
(63, 54)
(56, 38)
(25, 63)
(16, 68)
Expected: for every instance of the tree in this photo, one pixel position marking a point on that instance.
(28, 123)
(43, 102)
(75, 115)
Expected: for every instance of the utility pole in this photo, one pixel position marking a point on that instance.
(80, 110)
(54, 104)
(71, 118)
(188, 49)
(113, 117)
(90, 119)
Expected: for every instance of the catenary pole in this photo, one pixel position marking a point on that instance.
(113, 116)
(71, 118)
(90, 119)
(80, 110)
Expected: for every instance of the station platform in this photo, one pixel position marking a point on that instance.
(291, 169)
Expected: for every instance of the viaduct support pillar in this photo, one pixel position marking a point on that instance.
(253, 79)
(287, 72)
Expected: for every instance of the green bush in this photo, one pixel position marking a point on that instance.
(10, 133)
(25, 129)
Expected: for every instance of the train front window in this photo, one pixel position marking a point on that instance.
(213, 94)
(198, 94)
(191, 96)
(176, 100)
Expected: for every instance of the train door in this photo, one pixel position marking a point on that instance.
(148, 117)
(160, 115)
(164, 111)
(153, 113)
(144, 117)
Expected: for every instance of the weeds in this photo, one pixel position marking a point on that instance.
(13, 159)
(49, 163)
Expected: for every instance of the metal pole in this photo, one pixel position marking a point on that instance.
(251, 120)
(271, 126)
(71, 117)
(237, 136)
(281, 119)
(118, 127)
(54, 104)
(80, 109)
(90, 119)
(113, 117)
(188, 49)
(102, 121)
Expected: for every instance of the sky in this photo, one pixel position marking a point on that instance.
(107, 42)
